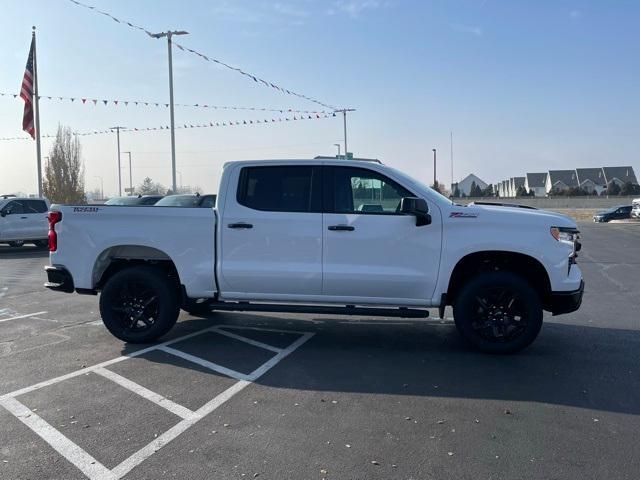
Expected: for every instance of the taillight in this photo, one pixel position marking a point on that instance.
(54, 217)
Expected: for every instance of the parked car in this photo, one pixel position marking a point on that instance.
(635, 211)
(188, 200)
(23, 220)
(291, 236)
(134, 200)
(615, 213)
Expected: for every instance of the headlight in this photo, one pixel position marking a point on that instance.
(568, 236)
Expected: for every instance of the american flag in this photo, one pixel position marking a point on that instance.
(26, 93)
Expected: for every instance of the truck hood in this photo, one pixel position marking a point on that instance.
(512, 216)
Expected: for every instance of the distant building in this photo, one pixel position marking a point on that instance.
(517, 183)
(464, 185)
(536, 183)
(561, 180)
(619, 175)
(591, 180)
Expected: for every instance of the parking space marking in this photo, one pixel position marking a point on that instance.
(205, 363)
(22, 316)
(65, 447)
(93, 469)
(255, 343)
(154, 397)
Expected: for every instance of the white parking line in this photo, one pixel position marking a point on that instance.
(22, 316)
(93, 469)
(65, 447)
(205, 363)
(154, 397)
(255, 343)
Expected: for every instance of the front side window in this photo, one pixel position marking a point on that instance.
(14, 208)
(277, 189)
(357, 190)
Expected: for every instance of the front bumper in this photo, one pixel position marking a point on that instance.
(566, 302)
(58, 279)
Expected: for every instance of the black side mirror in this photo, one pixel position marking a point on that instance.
(417, 207)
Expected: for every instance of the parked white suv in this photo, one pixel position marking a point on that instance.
(23, 220)
(635, 211)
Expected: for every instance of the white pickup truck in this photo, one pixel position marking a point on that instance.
(321, 236)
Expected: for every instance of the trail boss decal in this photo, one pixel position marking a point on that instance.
(86, 209)
(462, 215)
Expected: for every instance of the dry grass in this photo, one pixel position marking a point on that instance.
(578, 214)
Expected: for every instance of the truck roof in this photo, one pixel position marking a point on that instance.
(308, 161)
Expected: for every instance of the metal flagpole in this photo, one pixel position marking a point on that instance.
(37, 111)
(117, 129)
(344, 114)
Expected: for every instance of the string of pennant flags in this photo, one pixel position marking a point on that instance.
(230, 123)
(143, 103)
(207, 58)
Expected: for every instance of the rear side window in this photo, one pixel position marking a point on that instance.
(280, 189)
(35, 206)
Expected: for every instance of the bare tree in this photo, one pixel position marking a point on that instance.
(64, 174)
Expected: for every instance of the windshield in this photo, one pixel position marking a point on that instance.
(179, 201)
(422, 186)
(124, 201)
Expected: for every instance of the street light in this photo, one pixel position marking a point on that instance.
(338, 145)
(179, 173)
(170, 34)
(130, 175)
(117, 129)
(101, 186)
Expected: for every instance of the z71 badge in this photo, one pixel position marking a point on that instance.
(462, 215)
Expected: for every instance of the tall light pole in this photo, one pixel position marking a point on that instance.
(117, 129)
(179, 173)
(130, 175)
(435, 182)
(451, 163)
(170, 34)
(338, 145)
(101, 186)
(344, 116)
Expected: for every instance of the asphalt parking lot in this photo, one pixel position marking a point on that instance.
(308, 397)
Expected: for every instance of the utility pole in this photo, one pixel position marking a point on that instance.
(36, 103)
(344, 115)
(452, 163)
(117, 129)
(435, 182)
(170, 34)
(130, 175)
(338, 145)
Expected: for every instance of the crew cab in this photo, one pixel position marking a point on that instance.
(321, 236)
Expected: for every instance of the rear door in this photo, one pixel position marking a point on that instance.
(37, 225)
(271, 233)
(371, 252)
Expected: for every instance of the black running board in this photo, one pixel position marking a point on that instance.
(320, 309)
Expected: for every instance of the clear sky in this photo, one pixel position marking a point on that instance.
(524, 86)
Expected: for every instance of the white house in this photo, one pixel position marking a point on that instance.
(535, 182)
(561, 180)
(591, 180)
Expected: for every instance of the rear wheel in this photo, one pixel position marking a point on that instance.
(41, 243)
(498, 312)
(17, 243)
(139, 304)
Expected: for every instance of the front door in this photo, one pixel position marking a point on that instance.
(371, 252)
(271, 234)
(14, 224)
(37, 224)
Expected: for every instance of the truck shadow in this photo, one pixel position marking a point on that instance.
(568, 365)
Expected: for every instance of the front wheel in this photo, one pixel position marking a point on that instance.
(498, 312)
(139, 304)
